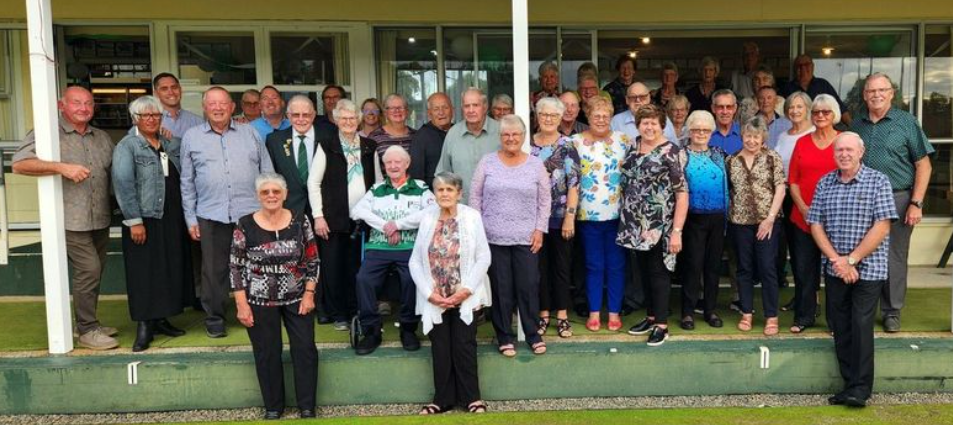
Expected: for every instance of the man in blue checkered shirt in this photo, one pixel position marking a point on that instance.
(850, 220)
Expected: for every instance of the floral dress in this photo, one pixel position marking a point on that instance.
(562, 163)
(444, 256)
(650, 183)
(600, 177)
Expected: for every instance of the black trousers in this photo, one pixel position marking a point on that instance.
(701, 255)
(806, 259)
(656, 281)
(340, 261)
(454, 348)
(371, 278)
(266, 345)
(756, 260)
(514, 282)
(854, 308)
(216, 244)
(555, 271)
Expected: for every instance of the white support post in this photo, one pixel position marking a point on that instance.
(521, 63)
(46, 130)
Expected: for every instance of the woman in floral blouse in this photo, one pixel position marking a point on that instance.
(601, 152)
(555, 258)
(756, 174)
(654, 205)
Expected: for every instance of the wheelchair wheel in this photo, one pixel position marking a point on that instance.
(356, 331)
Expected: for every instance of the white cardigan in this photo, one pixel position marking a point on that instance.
(474, 262)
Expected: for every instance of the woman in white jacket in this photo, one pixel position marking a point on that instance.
(449, 264)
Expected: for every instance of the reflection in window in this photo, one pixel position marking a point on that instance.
(309, 59)
(216, 58)
(938, 83)
(845, 59)
(576, 50)
(407, 65)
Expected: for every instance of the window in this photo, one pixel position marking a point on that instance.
(576, 50)
(216, 58)
(407, 65)
(309, 59)
(938, 82)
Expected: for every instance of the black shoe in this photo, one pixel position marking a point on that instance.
(325, 320)
(688, 323)
(854, 401)
(308, 413)
(714, 321)
(657, 337)
(165, 328)
(788, 306)
(837, 399)
(408, 337)
(642, 327)
(143, 336)
(368, 344)
(215, 331)
(272, 415)
(892, 324)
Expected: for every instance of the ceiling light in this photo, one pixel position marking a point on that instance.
(411, 40)
(646, 40)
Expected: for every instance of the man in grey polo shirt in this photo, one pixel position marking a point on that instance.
(469, 140)
(85, 160)
(220, 161)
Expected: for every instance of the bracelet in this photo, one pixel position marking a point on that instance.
(309, 290)
(570, 211)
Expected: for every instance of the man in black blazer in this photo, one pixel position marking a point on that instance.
(293, 150)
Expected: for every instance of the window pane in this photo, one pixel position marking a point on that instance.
(939, 197)
(576, 49)
(845, 59)
(309, 59)
(216, 58)
(407, 64)
(938, 82)
(458, 55)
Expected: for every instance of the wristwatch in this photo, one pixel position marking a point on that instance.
(916, 203)
(851, 261)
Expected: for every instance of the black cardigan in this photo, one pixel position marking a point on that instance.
(334, 185)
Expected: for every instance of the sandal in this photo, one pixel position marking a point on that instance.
(431, 409)
(614, 325)
(478, 406)
(508, 350)
(542, 325)
(563, 328)
(771, 326)
(593, 325)
(744, 325)
(539, 348)
(797, 328)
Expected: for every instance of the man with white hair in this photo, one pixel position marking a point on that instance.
(427, 143)
(468, 140)
(850, 220)
(293, 150)
(393, 209)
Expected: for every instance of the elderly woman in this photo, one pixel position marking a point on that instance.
(155, 243)
(337, 181)
(625, 75)
(501, 106)
(569, 125)
(601, 152)
(274, 270)
(392, 209)
(548, 82)
(371, 111)
(395, 131)
(555, 259)
(668, 91)
(812, 158)
(511, 190)
(704, 239)
(449, 266)
(756, 175)
(677, 111)
(654, 205)
(700, 95)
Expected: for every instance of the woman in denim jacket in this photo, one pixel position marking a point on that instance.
(155, 244)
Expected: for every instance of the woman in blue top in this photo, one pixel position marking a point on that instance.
(705, 226)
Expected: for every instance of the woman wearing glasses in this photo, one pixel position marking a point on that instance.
(371, 117)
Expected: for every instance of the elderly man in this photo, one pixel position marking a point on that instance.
(392, 209)
(220, 161)
(850, 219)
(501, 106)
(330, 96)
(467, 141)
(741, 78)
(898, 148)
(727, 134)
(588, 88)
(806, 82)
(272, 117)
(292, 152)
(637, 96)
(777, 123)
(251, 106)
(175, 120)
(85, 160)
(427, 143)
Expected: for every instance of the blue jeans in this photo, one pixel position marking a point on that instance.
(757, 260)
(605, 263)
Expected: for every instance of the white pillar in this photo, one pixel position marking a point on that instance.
(521, 63)
(46, 130)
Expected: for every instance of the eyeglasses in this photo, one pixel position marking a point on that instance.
(599, 118)
(300, 115)
(548, 117)
(724, 107)
(395, 109)
(824, 112)
(155, 116)
(639, 97)
(699, 131)
(266, 192)
(371, 112)
(346, 118)
(879, 91)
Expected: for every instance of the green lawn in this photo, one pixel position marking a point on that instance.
(874, 415)
(25, 325)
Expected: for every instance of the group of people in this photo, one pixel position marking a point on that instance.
(462, 216)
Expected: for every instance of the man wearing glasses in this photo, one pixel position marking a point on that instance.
(806, 82)
(637, 96)
(897, 147)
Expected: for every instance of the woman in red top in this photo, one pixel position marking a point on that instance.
(813, 157)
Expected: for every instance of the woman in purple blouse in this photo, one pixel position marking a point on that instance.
(511, 190)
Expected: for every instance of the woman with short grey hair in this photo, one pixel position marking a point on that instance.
(677, 110)
(700, 95)
(145, 177)
(501, 106)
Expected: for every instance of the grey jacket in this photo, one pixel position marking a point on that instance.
(138, 179)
